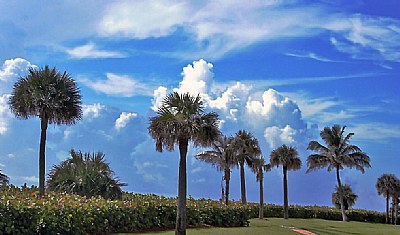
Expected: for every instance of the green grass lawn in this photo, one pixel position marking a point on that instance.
(277, 226)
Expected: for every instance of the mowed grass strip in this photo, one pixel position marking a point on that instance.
(279, 226)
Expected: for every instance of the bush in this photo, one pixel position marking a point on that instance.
(23, 212)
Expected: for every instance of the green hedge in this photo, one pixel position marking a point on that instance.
(23, 212)
(320, 212)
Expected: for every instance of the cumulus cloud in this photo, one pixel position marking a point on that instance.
(242, 106)
(11, 70)
(5, 114)
(196, 78)
(158, 96)
(124, 119)
(276, 136)
(90, 51)
(118, 85)
(92, 111)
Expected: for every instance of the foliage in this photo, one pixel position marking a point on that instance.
(3, 178)
(85, 174)
(337, 154)
(180, 119)
(52, 96)
(23, 212)
(349, 197)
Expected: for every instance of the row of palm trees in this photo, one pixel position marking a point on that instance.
(388, 185)
(55, 98)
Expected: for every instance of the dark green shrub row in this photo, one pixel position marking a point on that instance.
(320, 212)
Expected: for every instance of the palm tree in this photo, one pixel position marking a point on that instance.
(258, 167)
(288, 157)
(222, 158)
(86, 175)
(181, 119)
(385, 185)
(246, 150)
(395, 200)
(3, 178)
(336, 155)
(349, 197)
(52, 96)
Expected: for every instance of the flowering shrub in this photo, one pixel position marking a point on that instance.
(23, 212)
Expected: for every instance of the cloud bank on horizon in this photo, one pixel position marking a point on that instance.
(280, 69)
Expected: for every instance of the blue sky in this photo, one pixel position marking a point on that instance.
(282, 70)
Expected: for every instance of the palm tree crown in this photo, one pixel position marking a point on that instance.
(337, 153)
(87, 175)
(286, 156)
(3, 178)
(349, 197)
(48, 94)
(181, 117)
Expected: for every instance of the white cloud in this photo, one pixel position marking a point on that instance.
(11, 70)
(277, 137)
(313, 56)
(143, 19)
(124, 119)
(5, 114)
(220, 27)
(92, 111)
(90, 51)
(31, 179)
(196, 78)
(158, 96)
(375, 131)
(117, 85)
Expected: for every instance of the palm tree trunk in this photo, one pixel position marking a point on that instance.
(344, 216)
(42, 150)
(261, 210)
(396, 211)
(285, 194)
(181, 208)
(387, 207)
(243, 183)
(227, 181)
(392, 212)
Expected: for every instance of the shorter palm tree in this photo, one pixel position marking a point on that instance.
(3, 178)
(385, 186)
(246, 150)
(85, 174)
(221, 156)
(349, 197)
(258, 167)
(288, 158)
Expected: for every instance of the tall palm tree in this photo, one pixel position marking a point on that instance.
(395, 200)
(246, 150)
(221, 156)
(337, 154)
(288, 158)
(385, 185)
(52, 96)
(258, 167)
(181, 119)
(349, 197)
(85, 174)
(3, 178)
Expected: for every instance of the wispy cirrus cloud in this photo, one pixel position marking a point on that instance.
(91, 51)
(313, 56)
(118, 85)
